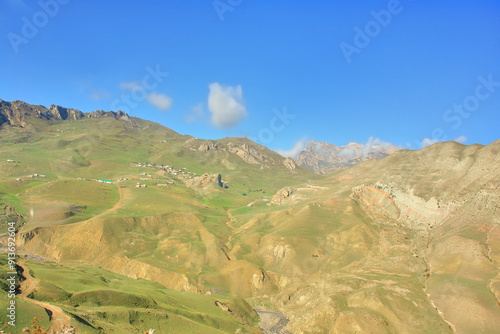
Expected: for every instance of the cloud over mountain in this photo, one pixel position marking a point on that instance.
(294, 151)
(226, 105)
(430, 141)
(322, 158)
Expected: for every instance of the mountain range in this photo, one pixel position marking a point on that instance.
(324, 158)
(123, 225)
(318, 157)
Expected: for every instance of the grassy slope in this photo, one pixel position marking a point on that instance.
(104, 148)
(322, 252)
(111, 303)
(25, 311)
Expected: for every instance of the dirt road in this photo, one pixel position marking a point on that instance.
(58, 319)
(116, 206)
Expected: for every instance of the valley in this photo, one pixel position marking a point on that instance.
(213, 236)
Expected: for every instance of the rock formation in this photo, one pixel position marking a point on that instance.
(282, 194)
(206, 180)
(209, 146)
(18, 113)
(290, 164)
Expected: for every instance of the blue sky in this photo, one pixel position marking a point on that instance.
(283, 72)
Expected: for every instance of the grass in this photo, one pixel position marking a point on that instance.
(25, 311)
(165, 232)
(118, 304)
(67, 201)
(14, 201)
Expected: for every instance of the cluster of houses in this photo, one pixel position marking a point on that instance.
(169, 169)
(166, 184)
(31, 176)
(96, 180)
(147, 177)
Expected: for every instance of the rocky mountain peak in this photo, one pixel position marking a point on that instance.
(323, 157)
(20, 113)
(64, 113)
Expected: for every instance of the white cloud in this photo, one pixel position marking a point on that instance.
(131, 86)
(226, 105)
(428, 141)
(294, 151)
(197, 112)
(159, 100)
(373, 145)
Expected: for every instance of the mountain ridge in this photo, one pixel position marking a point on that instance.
(35, 118)
(17, 112)
(318, 157)
(324, 158)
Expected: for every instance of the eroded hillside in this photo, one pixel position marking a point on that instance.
(406, 244)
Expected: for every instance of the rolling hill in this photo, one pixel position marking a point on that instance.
(125, 225)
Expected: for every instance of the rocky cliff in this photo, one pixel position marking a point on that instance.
(19, 113)
(246, 150)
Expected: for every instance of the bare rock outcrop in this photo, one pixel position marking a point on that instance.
(209, 146)
(247, 153)
(62, 113)
(206, 180)
(19, 113)
(120, 115)
(281, 195)
(290, 164)
(383, 201)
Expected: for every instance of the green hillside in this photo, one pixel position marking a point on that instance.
(124, 225)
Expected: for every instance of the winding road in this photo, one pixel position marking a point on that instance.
(58, 319)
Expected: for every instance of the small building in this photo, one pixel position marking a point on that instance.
(105, 181)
